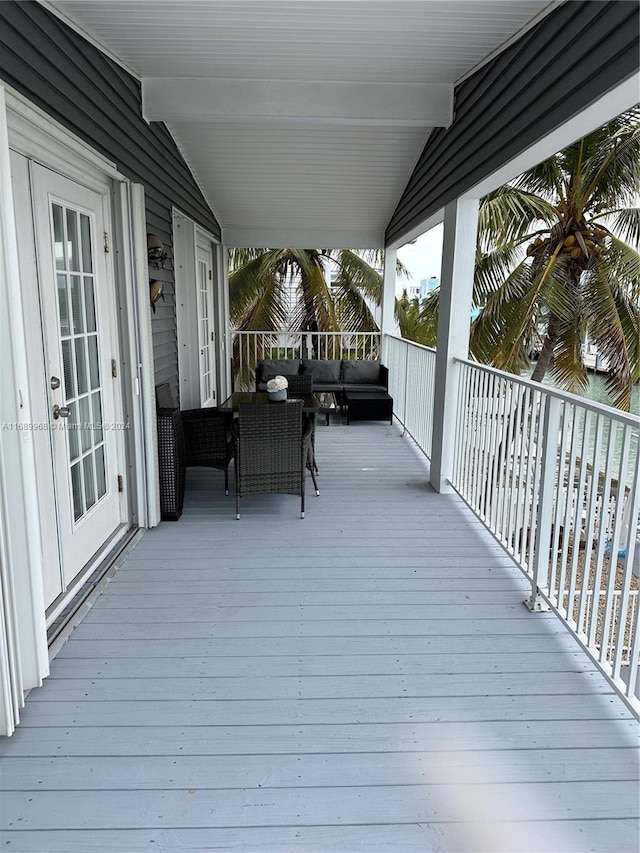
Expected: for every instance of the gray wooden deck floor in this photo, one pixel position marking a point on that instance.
(365, 679)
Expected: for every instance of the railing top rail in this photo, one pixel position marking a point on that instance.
(409, 343)
(574, 399)
(299, 332)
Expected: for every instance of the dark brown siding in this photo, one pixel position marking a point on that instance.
(100, 102)
(572, 57)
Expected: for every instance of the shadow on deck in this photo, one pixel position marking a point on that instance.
(365, 679)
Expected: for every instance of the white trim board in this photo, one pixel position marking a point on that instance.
(36, 135)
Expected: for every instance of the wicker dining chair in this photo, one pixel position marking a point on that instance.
(271, 450)
(188, 438)
(302, 386)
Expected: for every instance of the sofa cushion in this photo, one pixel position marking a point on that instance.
(364, 386)
(328, 387)
(323, 371)
(268, 368)
(364, 372)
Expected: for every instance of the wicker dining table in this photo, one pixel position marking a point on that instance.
(312, 404)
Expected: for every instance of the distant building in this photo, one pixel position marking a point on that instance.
(428, 285)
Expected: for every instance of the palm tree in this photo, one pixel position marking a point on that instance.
(261, 281)
(414, 320)
(557, 260)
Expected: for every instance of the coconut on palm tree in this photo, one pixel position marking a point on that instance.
(557, 260)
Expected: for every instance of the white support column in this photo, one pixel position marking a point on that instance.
(454, 320)
(226, 347)
(140, 272)
(388, 321)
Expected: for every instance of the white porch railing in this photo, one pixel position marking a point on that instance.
(250, 347)
(411, 383)
(610, 638)
(556, 480)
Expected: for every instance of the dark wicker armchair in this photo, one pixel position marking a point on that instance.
(299, 386)
(192, 437)
(271, 451)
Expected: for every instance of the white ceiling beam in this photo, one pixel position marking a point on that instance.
(302, 238)
(201, 99)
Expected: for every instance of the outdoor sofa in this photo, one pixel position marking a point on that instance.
(329, 375)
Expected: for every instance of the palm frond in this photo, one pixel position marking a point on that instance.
(418, 321)
(506, 329)
(621, 264)
(508, 215)
(612, 173)
(625, 224)
(353, 313)
(613, 321)
(560, 292)
(544, 180)
(239, 257)
(354, 273)
(492, 271)
(315, 309)
(568, 365)
(257, 300)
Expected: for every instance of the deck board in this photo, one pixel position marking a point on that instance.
(364, 679)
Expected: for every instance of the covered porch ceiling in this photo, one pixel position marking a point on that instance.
(302, 120)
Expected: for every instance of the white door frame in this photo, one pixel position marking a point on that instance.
(89, 515)
(187, 235)
(24, 657)
(33, 133)
(137, 346)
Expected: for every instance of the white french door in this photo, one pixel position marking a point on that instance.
(80, 346)
(206, 325)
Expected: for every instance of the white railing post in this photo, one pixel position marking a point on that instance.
(405, 389)
(456, 294)
(546, 503)
(388, 321)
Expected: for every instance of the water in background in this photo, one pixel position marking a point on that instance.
(596, 392)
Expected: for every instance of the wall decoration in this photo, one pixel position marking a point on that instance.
(156, 252)
(156, 289)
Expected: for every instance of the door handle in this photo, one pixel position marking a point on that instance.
(61, 412)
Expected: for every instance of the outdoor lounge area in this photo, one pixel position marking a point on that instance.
(365, 679)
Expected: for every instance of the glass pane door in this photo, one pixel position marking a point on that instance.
(79, 347)
(205, 329)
